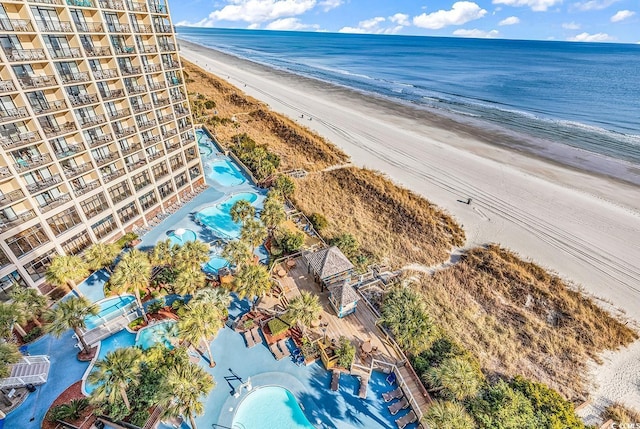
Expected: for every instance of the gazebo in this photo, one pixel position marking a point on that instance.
(343, 298)
(329, 266)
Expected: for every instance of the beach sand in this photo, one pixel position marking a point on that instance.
(583, 226)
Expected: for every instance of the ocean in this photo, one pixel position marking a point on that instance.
(583, 95)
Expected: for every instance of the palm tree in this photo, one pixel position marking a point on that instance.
(191, 255)
(132, 273)
(71, 314)
(454, 378)
(186, 385)
(241, 211)
(236, 252)
(66, 270)
(9, 354)
(448, 415)
(163, 253)
(404, 314)
(200, 324)
(101, 255)
(31, 302)
(252, 281)
(118, 370)
(189, 281)
(305, 308)
(272, 214)
(253, 233)
(10, 315)
(214, 297)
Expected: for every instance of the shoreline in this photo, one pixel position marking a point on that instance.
(576, 224)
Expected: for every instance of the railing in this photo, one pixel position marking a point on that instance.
(110, 95)
(81, 190)
(177, 165)
(65, 53)
(160, 174)
(154, 86)
(47, 1)
(13, 114)
(44, 184)
(178, 97)
(163, 28)
(81, 3)
(124, 50)
(131, 149)
(71, 172)
(26, 164)
(144, 29)
(158, 8)
(25, 54)
(83, 99)
(134, 166)
(106, 159)
(105, 74)
(100, 140)
(54, 26)
(141, 185)
(137, 7)
(89, 27)
(172, 146)
(146, 125)
(136, 89)
(17, 25)
(5, 172)
(10, 197)
(167, 47)
(170, 66)
(7, 85)
(182, 113)
(170, 133)
(166, 118)
(161, 102)
(6, 224)
(125, 71)
(74, 77)
(189, 138)
(125, 132)
(174, 81)
(120, 113)
(92, 120)
(148, 49)
(111, 4)
(51, 107)
(119, 28)
(138, 108)
(150, 139)
(113, 175)
(70, 150)
(62, 129)
(37, 81)
(60, 200)
(155, 155)
(101, 51)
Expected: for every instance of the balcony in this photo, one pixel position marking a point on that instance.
(163, 28)
(100, 140)
(128, 71)
(13, 114)
(137, 7)
(50, 107)
(146, 125)
(167, 47)
(37, 81)
(170, 133)
(50, 205)
(189, 138)
(119, 28)
(16, 140)
(54, 26)
(17, 25)
(155, 155)
(89, 27)
(172, 146)
(120, 113)
(33, 162)
(158, 8)
(6, 224)
(105, 74)
(74, 77)
(180, 113)
(171, 65)
(81, 190)
(130, 149)
(150, 139)
(111, 4)
(138, 108)
(100, 51)
(124, 50)
(10, 197)
(174, 81)
(106, 159)
(110, 95)
(125, 132)
(5, 172)
(19, 55)
(161, 102)
(177, 165)
(152, 68)
(138, 164)
(113, 175)
(143, 29)
(7, 86)
(148, 49)
(47, 1)
(141, 185)
(83, 99)
(70, 150)
(65, 53)
(44, 184)
(160, 174)
(71, 172)
(55, 131)
(154, 86)
(81, 3)
(136, 89)
(92, 120)
(178, 97)
(166, 118)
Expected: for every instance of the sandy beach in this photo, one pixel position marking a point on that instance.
(583, 226)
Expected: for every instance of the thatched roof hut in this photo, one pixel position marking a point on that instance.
(329, 265)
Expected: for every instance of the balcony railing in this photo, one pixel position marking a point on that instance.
(81, 190)
(70, 150)
(154, 86)
(113, 175)
(189, 138)
(16, 140)
(37, 81)
(58, 130)
(71, 172)
(135, 165)
(167, 47)
(172, 146)
(5, 172)
(74, 77)
(17, 25)
(137, 7)
(119, 28)
(10, 197)
(177, 165)
(161, 102)
(13, 114)
(141, 185)
(131, 149)
(171, 65)
(111, 4)
(50, 205)
(163, 28)
(148, 49)
(181, 113)
(160, 174)
(119, 113)
(54, 26)
(146, 125)
(152, 68)
(166, 118)
(105, 159)
(128, 71)
(125, 132)
(6, 224)
(158, 8)
(7, 86)
(136, 89)
(155, 155)
(44, 184)
(34, 161)
(89, 27)
(138, 108)
(81, 3)
(92, 120)
(124, 50)
(174, 81)
(143, 29)
(170, 133)
(178, 97)
(105, 73)
(17, 55)
(83, 99)
(100, 51)
(150, 139)
(100, 140)
(65, 53)
(47, 1)
(50, 107)
(110, 95)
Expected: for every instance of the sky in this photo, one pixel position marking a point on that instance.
(566, 20)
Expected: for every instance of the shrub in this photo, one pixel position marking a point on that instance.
(278, 325)
(284, 185)
(134, 324)
(347, 244)
(441, 349)
(209, 104)
(156, 305)
(621, 414)
(290, 241)
(345, 352)
(70, 411)
(403, 312)
(309, 348)
(32, 334)
(139, 417)
(318, 221)
(126, 239)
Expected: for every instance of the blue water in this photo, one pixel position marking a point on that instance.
(226, 173)
(109, 309)
(205, 143)
(218, 219)
(583, 95)
(215, 263)
(181, 239)
(270, 407)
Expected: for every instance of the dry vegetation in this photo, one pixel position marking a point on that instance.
(389, 222)
(297, 146)
(519, 319)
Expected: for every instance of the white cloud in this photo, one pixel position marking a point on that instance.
(593, 5)
(257, 11)
(327, 5)
(400, 19)
(289, 24)
(373, 25)
(571, 26)
(586, 37)
(512, 20)
(475, 33)
(621, 15)
(461, 12)
(535, 5)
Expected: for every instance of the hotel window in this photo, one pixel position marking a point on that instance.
(94, 205)
(165, 189)
(104, 227)
(160, 170)
(64, 221)
(8, 282)
(77, 243)
(148, 200)
(176, 162)
(128, 212)
(27, 240)
(181, 180)
(119, 192)
(141, 180)
(38, 266)
(190, 154)
(194, 172)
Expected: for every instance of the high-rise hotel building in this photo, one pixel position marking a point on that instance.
(96, 135)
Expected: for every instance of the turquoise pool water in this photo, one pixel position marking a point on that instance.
(226, 173)
(215, 263)
(218, 219)
(109, 309)
(205, 150)
(188, 235)
(270, 407)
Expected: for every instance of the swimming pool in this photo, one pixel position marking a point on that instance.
(215, 263)
(181, 239)
(205, 150)
(226, 173)
(218, 219)
(270, 407)
(110, 308)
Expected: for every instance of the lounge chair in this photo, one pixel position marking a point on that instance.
(277, 353)
(255, 333)
(364, 382)
(335, 380)
(249, 339)
(403, 421)
(391, 378)
(394, 394)
(400, 405)
(282, 344)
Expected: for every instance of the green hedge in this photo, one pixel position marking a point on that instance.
(280, 324)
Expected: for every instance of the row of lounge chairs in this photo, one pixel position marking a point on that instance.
(401, 404)
(280, 349)
(252, 337)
